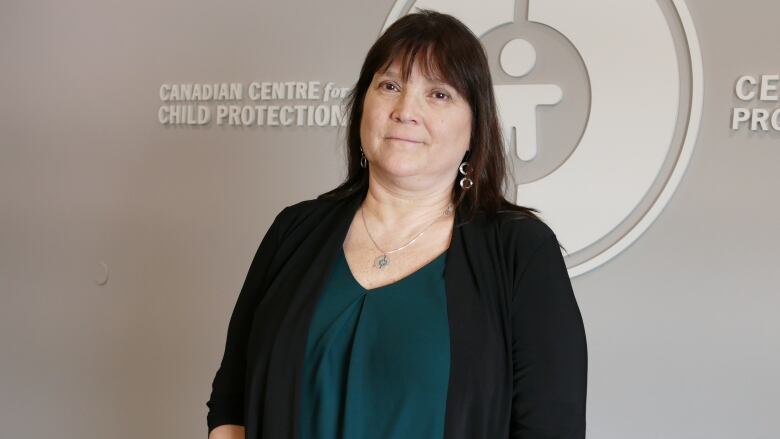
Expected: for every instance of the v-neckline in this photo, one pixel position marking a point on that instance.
(408, 276)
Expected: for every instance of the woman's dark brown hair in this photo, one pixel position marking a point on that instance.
(444, 48)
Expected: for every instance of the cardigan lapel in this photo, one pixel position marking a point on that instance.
(479, 368)
(319, 237)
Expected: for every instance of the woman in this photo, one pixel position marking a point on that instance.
(413, 301)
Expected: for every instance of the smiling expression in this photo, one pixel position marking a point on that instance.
(418, 128)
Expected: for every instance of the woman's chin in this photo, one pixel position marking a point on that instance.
(401, 170)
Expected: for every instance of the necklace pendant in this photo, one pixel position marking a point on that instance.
(381, 262)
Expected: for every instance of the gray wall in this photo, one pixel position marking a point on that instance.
(682, 327)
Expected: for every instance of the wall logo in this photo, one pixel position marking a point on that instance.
(757, 91)
(272, 104)
(600, 103)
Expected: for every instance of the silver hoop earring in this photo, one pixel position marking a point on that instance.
(465, 182)
(363, 159)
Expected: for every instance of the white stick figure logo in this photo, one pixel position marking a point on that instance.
(600, 103)
(518, 58)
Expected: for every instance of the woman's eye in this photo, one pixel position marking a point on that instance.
(389, 86)
(441, 95)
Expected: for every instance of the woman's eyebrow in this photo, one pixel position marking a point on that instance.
(439, 81)
(433, 80)
(390, 73)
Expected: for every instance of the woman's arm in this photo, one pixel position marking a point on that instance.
(548, 349)
(228, 431)
(226, 403)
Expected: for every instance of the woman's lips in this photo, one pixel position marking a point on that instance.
(401, 139)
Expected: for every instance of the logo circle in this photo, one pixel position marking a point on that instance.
(599, 152)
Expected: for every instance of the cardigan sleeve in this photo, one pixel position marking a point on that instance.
(226, 403)
(548, 349)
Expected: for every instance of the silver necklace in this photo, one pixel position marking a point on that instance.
(383, 260)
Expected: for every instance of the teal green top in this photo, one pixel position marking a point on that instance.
(377, 361)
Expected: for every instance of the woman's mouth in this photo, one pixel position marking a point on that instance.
(402, 139)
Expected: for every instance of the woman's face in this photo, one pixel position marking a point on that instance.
(417, 129)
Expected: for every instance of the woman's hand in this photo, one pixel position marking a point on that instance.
(228, 431)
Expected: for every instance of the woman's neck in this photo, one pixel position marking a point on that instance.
(390, 206)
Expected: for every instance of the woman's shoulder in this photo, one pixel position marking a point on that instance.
(513, 221)
(309, 208)
(525, 233)
(304, 216)
(305, 207)
(517, 230)
(521, 222)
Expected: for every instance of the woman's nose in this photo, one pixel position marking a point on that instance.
(406, 109)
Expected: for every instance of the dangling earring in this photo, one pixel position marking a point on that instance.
(363, 160)
(465, 169)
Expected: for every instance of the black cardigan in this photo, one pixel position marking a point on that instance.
(518, 348)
